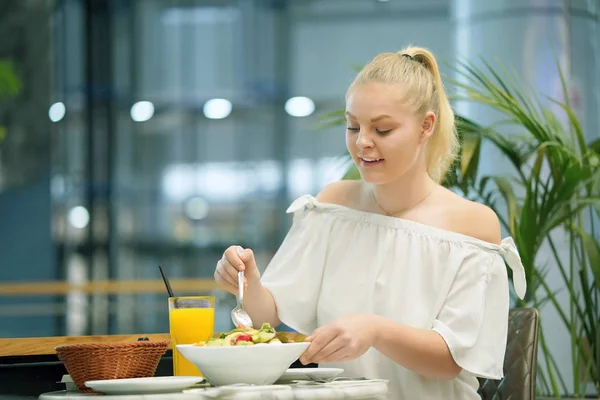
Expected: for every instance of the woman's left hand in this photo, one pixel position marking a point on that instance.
(345, 339)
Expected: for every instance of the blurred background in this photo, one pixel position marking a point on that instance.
(145, 132)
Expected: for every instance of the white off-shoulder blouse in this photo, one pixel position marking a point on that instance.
(337, 261)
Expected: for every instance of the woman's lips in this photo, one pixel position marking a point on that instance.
(369, 162)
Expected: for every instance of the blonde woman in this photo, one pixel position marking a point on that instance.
(392, 276)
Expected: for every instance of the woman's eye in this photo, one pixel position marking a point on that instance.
(352, 129)
(382, 132)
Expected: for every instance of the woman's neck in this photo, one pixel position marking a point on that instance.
(403, 194)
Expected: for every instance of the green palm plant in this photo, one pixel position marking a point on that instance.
(554, 190)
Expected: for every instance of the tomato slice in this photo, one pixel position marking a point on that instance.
(243, 338)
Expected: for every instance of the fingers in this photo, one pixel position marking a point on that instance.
(328, 351)
(226, 272)
(232, 257)
(247, 257)
(341, 354)
(230, 272)
(318, 341)
(224, 283)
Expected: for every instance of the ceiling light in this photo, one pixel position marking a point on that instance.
(79, 217)
(299, 106)
(217, 108)
(57, 111)
(142, 111)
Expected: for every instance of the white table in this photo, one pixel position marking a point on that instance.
(359, 390)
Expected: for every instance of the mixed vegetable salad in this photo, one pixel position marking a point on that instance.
(248, 337)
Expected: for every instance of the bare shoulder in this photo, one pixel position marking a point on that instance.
(343, 193)
(473, 219)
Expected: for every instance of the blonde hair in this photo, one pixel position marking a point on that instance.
(416, 70)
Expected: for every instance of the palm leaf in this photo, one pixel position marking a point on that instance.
(331, 119)
(10, 84)
(469, 160)
(592, 249)
(564, 213)
(594, 145)
(510, 198)
(574, 121)
(351, 174)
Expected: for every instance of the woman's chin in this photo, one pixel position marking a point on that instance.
(373, 178)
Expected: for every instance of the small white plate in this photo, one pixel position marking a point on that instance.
(302, 374)
(157, 384)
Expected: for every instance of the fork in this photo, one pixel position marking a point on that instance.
(317, 379)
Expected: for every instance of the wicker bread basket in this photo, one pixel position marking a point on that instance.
(87, 362)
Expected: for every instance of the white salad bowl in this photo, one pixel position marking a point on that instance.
(260, 364)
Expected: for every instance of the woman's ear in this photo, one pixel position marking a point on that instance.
(428, 126)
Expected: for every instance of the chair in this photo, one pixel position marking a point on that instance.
(520, 360)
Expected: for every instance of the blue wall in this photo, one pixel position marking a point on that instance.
(26, 254)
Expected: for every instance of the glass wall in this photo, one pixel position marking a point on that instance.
(165, 136)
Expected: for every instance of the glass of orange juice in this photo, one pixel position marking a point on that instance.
(191, 320)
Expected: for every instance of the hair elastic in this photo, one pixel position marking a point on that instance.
(408, 56)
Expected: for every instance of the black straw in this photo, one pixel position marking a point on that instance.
(166, 280)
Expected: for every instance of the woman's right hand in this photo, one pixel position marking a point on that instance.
(234, 260)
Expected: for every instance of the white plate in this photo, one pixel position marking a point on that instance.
(302, 374)
(157, 384)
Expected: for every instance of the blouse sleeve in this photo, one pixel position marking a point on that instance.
(474, 317)
(295, 272)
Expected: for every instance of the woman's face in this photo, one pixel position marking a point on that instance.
(384, 136)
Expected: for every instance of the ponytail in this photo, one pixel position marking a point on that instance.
(443, 145)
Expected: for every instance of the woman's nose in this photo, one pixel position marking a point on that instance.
(363, 141)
